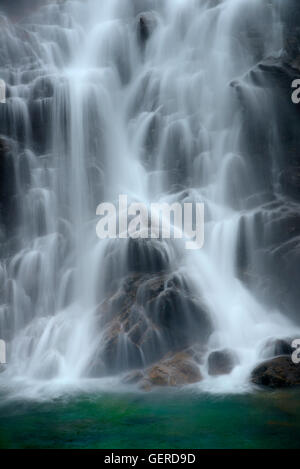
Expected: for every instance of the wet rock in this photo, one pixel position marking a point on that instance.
(279, 372)
(8, 185)
(43, 87)
(281, 263)
(176, 371)
(147, 256)
(277, 347)
(134, 377)
(290, 181)
(173, 370)
(142, 256)
(147, 23)
(276, 237)
(149, 316)
(221, 362)
(291, 18)
(40, 111)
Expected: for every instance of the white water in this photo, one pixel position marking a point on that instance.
(112, 92)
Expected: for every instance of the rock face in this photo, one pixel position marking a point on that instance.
(7, 185)
(290, 181)
(276, 222)
(279, 372)
(291, 20)
(148, 317)
(221, 362)
(173, 370)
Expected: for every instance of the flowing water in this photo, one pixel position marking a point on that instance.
(94, 110)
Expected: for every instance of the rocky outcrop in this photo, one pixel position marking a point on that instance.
(221, 362)
(147, 317)
(173, 370)
(280, 372)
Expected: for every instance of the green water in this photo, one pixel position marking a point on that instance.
(154, 421)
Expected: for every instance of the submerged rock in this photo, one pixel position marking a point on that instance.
(221, 362)
(280, 372)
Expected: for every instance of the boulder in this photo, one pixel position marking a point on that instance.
(277, 347)
(221, 362)
(280, 372)
(176, 371)
(173, 370)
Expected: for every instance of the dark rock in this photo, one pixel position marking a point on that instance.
(149, 316)
(290, 181)
(40, 111)
(147, 22)
(279, 372)
(276, 347)
(291, 19)
(269, 258)
(8, 185)
(282, 347)
(221, 362)
(43, 87)
(144, 255)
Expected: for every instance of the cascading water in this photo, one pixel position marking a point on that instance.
(147, 99)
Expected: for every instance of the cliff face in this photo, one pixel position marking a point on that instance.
(57, 144)
(273, 144)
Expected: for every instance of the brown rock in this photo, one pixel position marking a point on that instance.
(280, 372)
(178, 370)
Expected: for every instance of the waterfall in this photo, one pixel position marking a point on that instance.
(145, 98)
